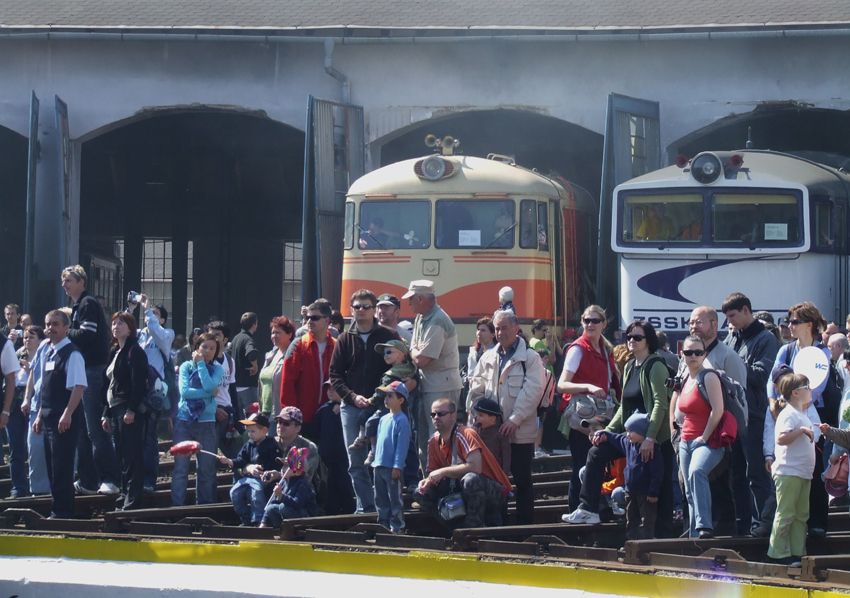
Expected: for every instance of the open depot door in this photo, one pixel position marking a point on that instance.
(333, 159)
(632, 148)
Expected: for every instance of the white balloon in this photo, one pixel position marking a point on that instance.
(813, 364)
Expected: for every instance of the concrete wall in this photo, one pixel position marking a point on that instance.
(106, 83)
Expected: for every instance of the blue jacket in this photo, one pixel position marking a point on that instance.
(298, 494)
(393, 441)
(642, 479)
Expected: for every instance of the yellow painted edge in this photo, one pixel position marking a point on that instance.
(414, 565)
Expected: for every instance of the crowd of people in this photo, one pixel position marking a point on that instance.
(343, 418)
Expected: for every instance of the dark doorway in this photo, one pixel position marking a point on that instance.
(196, 207)
(13, 199)
(786, 127)
(533, 140)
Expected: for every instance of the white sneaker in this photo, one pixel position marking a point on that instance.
(108, 488)
(540, 453)
(581, 516)
(618, 510)
(81, 490)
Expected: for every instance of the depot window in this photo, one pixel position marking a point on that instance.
(475, 224)
(755, 219)
(674, 219)
(394, 224)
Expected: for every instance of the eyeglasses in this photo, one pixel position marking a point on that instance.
(359, 307)
(593, 320)
(794, 321)
(314, 318)
(693, 352)
(695, 322)
(635, 337)
(389, 351)
(436, 414)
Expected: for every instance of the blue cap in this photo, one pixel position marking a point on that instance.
(638, 423)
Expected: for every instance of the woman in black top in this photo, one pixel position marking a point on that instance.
(125, 386)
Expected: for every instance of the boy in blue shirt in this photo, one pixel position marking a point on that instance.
(390, 454)
(643, 480)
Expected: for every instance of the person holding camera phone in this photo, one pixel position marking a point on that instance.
(156, 340)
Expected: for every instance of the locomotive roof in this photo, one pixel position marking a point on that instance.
(477, 175)
(769, 167)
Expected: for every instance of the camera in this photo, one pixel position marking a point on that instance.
(675, 383)
(134, 297)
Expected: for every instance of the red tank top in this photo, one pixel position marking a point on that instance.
(697, 412)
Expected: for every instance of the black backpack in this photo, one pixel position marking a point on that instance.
(734, 398)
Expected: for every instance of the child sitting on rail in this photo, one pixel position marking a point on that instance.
(293, 496)
(643, 480)
(390, 454)
(251, 492)
(792, 470)
(488, 420)
(397, 356)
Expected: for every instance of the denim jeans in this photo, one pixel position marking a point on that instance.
(203, 432)
(356, 469)
(249, 499)
(96, 459)
(276, 513)
(17, 430)
(39, 482)
(388, 500)
(696, 460)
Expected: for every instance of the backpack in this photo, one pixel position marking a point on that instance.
(671, 373)
(548, 387)
(734, 398)
(154, 398)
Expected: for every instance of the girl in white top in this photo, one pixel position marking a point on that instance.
(792, 470)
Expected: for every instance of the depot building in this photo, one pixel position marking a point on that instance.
(171, 148)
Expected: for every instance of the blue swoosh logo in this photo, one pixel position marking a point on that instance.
(665, 283)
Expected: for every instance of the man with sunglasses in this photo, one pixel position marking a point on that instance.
(757, 347)
(730, 491)
(458, 461)
(289, 422)
(434, 350)
(304, 373)
(355, 372)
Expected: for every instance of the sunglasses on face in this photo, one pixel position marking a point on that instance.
(314, 318)
(635, 337)
(804, 387)
(388, 351)
(436, 414)
(287, 423)
(795, 321)
(593, 320)
(693, 352)
(359, 307)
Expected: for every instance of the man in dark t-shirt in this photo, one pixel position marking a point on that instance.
(245, 357)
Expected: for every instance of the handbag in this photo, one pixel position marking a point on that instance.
(725, 433)
(585, 406)
(452, 506)
(835, 478)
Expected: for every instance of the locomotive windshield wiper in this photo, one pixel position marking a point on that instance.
(363, 230)
(503, 233)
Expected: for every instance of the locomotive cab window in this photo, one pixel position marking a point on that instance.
(673, 218)
(395, 224)
(828, 223)
(349, 225)
(755, 219)
(533, 225)
(475, 224)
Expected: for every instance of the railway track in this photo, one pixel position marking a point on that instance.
(827, 563)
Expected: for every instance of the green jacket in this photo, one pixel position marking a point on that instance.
(656, 399)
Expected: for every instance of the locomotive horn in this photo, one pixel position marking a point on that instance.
(431, 140)
(448, 141)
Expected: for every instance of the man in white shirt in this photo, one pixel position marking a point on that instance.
(63, 380)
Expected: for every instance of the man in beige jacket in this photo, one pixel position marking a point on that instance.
(512, 375)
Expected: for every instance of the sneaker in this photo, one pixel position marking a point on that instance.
(706, 534)
(80, 490)
(108, 488)
(369, 458)
(148, 489)
(581, 516)
(540, 453)
(359, 442)
(817, 532)
(760, 531)
(618, 510)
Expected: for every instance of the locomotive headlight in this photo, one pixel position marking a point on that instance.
(706, 168)
(433, 168)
